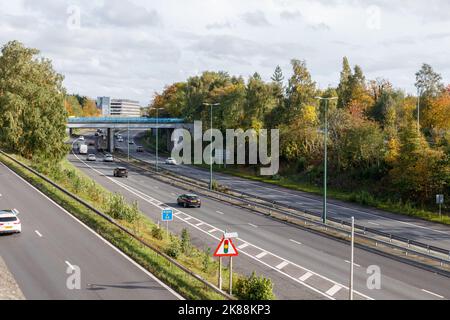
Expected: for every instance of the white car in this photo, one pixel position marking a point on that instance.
(81, 138)
(119, 139)
(9, 222)
(108, 158)
(91, 157)
(171, 161)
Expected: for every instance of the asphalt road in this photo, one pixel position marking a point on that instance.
(53, 244)
(303, 265)
(414, 229)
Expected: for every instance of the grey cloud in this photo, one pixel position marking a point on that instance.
(256, 19)
(290, 15)
(218, 25)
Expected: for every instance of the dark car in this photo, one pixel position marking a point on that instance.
(189, 200)
(121, 172)
(139, 149)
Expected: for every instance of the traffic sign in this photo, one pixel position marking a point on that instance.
(231, 235)
(167, 215)
(439, 199)
(226, 248)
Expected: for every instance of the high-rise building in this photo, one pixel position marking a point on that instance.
(119, 107)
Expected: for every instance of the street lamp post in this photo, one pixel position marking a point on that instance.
(419, 94)
(128, 130)
(211, 105)
(325, 162)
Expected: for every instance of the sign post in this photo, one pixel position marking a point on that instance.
(226, 248)
(167, 215)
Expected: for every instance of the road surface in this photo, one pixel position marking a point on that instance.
(53, 244)
(303, 265)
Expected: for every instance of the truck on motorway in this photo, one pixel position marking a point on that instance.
(83, 149)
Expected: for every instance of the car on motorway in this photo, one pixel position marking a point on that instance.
(83, 149)
(81, 138)
(131, 142)
(91, 143)
(108, 158)
(96, 134)
(10, 222)
(91, 157)
(121, 172)
(189, 200)
(171, 161)
(119, 139)
(139, 149)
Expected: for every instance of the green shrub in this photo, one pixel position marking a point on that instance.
(206, 263)
(119, 209)
(174, 249)
(185, 241)
(157, 233)
(254, 288)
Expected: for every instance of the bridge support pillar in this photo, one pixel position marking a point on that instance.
(70, 132)
(170, 143)
(110, 138)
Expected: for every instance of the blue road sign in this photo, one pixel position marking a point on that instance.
(167, 215)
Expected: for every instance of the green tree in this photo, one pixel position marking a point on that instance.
(344, 90)
(255, 288)
(428, 82)
(301, 90)
(32, 112)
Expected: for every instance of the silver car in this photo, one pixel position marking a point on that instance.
(108, 158)
(91, 157)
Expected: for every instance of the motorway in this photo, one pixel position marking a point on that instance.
(53, 244)
(302, 265)
(415, 229)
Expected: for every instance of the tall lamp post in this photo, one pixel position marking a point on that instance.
(157, 137)
(419, 94)
(211, 105)
(325, 162)
(128, 142)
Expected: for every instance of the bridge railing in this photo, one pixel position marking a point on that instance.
(132, 120)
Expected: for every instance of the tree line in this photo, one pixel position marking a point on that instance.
(375, 141)
(32, 114)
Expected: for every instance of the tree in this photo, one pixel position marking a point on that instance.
(32, 112)
(343, 90)
(436, 115)
(255, 288)
(428, 82)
(300, 92)
(278, 76)
(90, 109)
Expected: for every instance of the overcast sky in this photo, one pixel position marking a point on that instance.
(132, 48)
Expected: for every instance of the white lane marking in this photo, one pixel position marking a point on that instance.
(187, 219)
(212, 230)
(355, 264)
(262, 254)
(220, 212)
(148, 199)
(150, 275)
(242, 246)
(199, 224)
(282, 265)
(252, 225)
(433, 294)
(70, 266)
(296, 242)
(333, 290)
(373, 223)
(306, 276)
(38, 233)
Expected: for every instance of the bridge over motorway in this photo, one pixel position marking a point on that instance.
(111, 124)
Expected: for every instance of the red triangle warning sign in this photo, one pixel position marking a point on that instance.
(226, 248)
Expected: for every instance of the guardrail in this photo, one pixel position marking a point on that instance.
(361, 231)
(122, 228)
(124, 120)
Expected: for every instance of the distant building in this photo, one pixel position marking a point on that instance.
(118, 107)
